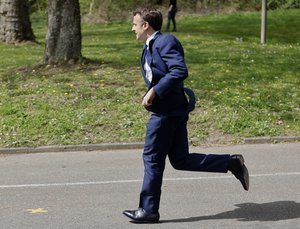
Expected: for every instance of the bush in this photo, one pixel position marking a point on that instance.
(283, 4)
(38, 5)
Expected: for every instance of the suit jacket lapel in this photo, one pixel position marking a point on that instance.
(143, 59)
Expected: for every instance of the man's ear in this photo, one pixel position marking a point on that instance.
(146, 25)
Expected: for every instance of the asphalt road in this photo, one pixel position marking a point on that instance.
(91, 189)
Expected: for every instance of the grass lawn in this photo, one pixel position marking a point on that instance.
(243, 88)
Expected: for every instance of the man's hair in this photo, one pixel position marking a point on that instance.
(152, 16)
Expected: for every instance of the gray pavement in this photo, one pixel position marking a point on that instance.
(90, 189)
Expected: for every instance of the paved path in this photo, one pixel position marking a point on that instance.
(91, 189)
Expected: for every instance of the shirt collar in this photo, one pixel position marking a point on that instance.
(151, 38)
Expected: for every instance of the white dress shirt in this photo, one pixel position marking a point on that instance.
(147, 65)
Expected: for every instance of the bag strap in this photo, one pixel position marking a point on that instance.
(191, 98)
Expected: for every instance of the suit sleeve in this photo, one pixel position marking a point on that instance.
(172, 55)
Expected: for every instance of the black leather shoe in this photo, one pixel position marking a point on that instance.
(141, 216)
(239, 170)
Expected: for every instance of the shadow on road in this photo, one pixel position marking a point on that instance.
(274, 211)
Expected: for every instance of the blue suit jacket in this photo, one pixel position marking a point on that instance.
(168, 73)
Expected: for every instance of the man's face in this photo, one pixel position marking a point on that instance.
(139, 27)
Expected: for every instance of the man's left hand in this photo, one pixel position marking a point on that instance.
(148, 98)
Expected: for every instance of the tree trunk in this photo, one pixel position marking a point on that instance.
(15, 25)
(63, 39)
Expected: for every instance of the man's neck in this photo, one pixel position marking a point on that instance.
(150, 37)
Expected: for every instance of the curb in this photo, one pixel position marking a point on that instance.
(126, 146)
(264, 140)
(72, 148)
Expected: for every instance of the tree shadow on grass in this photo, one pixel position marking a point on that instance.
(274, 211)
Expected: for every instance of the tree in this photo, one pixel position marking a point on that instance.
(63, 39)
(15, 25)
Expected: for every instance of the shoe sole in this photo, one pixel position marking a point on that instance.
(246, 178)
(241, 159)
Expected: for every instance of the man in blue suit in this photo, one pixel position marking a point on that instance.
(164, 70)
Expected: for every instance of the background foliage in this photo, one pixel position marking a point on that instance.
(116, 9)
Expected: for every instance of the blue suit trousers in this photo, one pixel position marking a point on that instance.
(167, 136)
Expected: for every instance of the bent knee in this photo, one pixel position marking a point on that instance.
(178, 165)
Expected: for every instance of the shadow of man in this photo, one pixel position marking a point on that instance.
(274, 211)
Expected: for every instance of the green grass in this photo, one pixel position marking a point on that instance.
(243, 89)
